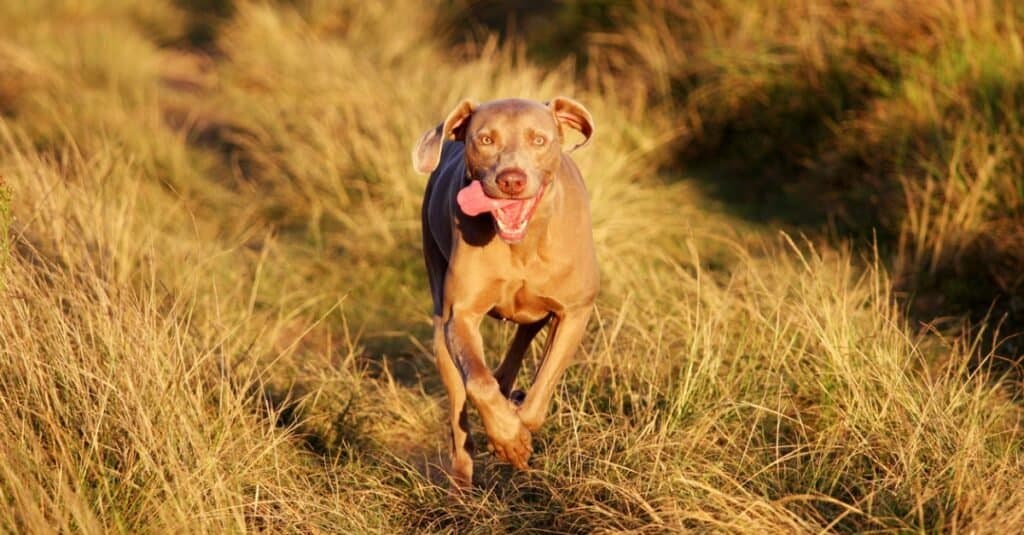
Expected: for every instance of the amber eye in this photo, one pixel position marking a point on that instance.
(539, 140)
(485, 140)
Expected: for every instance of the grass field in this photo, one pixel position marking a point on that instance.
(809, 217)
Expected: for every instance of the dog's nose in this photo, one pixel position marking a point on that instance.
(512, 181)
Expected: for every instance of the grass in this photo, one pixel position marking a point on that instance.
(886, 120)
(215, 317)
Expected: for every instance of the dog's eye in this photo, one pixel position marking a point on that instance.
(486, 140)
(539, 140)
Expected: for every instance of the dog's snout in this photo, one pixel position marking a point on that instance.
(511, 181)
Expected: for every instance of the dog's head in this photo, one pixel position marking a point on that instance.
(513, 150)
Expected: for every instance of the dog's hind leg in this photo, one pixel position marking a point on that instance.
(509, 368)
(461, 467)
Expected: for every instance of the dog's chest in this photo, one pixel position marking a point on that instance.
(522, 303)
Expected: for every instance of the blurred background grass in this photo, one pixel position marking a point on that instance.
(809, 218)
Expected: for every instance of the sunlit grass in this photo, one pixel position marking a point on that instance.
(214, 316)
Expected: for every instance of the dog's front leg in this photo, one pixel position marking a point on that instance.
(567, 332)
(506, 433)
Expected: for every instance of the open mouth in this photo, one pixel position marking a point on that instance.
(510, 215)
(513, 218)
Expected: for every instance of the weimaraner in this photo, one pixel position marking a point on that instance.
(506, 233)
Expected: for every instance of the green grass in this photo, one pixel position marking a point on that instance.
(215, 317)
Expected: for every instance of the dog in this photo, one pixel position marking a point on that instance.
(506, 233)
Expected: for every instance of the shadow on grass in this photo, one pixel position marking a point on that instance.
(980, 292)
(788, 162)
(344, 438)
(778, 158)
(203, 21)
(508, 500)
(551, 31)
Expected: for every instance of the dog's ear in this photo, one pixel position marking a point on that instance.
(570, 113)
(427, 153)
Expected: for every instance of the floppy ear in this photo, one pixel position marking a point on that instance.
(572, 114)
(427, 153)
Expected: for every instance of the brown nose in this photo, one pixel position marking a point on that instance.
(512, 181)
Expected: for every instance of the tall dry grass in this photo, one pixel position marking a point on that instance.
(214, 316)
(889, 117)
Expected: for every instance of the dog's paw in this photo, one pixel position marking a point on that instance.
(460, 469)
(510, 440)
(514, 448)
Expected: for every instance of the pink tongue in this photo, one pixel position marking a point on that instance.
(474, 201)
